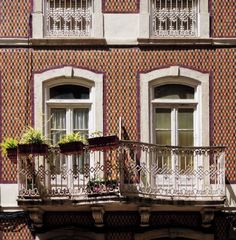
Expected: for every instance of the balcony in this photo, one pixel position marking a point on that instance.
(128, 170)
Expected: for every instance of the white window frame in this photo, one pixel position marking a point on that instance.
(68, 75)
(176, 75)
(38, 24)
(145, 21)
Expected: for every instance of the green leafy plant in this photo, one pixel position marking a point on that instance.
(72, 137)
(32, 136)
(96, 134)
(8, 143)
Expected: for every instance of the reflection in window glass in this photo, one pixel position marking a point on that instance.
(174, 91)
(69, 92)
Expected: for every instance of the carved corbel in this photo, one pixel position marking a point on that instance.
(97, 213)
(207, 217)
(145, 215)
(36, 215)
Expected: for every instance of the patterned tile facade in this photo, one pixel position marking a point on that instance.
(15, 18)
(121, 68)
(224, 18)
(15, 100)
(120, 6)
(15, 228)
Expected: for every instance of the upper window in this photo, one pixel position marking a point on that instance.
(174, 18)
(68, 17)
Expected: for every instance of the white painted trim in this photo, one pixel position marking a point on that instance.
(68, 75)
(9, 201)
(177, 75)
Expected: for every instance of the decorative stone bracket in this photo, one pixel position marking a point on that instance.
(145, 215)
(98, 213)
(36, 215)
(207, 217)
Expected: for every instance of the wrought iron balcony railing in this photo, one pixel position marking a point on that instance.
(127, 169)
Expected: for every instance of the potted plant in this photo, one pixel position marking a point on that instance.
(33, 142)
(71, 143)
(98, 141)
(9, 148)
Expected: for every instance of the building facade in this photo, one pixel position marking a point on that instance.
(158, 74)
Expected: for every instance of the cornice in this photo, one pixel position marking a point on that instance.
(66, 42)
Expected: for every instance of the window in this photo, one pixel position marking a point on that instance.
(174, 121)
(68, 17)
(64, 117)
(176, 102)
(175, 112)
(67, 100)
(174, 18)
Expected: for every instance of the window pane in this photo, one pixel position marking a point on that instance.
(174, 91)
(58, 124)
(163, 126)
(163, 137)
(185, 118)
(69, 92)
(185, 137)
(163, 118)
(185, 127)
(80, 120)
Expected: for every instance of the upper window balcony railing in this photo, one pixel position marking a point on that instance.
(68, 18)
(174, 18)
(127, 169)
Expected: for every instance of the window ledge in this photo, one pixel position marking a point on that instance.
(186, 41)
(67, 41)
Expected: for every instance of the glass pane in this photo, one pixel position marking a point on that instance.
(163, 118)
(69, 92)
(58, 124)
(163, 137)
(185, 137)
(80, 121)
(185, 118)
(58, 118)
(174, 91)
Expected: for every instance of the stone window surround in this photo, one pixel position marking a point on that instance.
(68, 75)
(38, 20)
(176, 75)
(203, 25)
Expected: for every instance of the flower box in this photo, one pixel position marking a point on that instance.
(103, 142)
(33, 148)
(71, 147)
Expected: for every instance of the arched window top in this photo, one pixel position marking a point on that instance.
(174, 91)
(69, 91)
